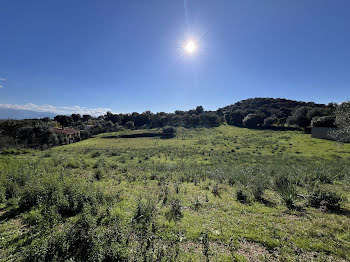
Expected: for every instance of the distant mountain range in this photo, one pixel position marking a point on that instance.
(7, 113)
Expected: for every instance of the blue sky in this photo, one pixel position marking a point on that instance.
(125, 56)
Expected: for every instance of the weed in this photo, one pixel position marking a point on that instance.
(216, 190)
(286, 190)
(326, 200)
(206, 245)
(241, 196)
(175, 212)
(197, 203)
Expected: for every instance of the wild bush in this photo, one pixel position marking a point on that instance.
(2, 191)
(175, 212)
(169, 131)
(98, 174)
(95, 154)
(197, 203)
(286, 190)
(206, 245)
(89, 237)
(241, 196)
(144, 214)
(68, 195)
(325, 200)
(216, 190)
(258, 185)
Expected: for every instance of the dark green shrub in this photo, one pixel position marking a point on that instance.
(258, 186)
(216, 190)
(95, 154)
(253, 120)
(206, 245)
(90, 237)
(177, 187)
(169, 131)
(114, 153)
(323, 121)
(258, 192)
(68, 196)
(2, 193)
(98, 174)
(325, 200)
(241, 196)
(144, 213)
(32, 194)
(175, 212)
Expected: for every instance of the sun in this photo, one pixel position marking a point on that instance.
(190, 47)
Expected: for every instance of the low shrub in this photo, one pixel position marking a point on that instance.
(169, 131)
(216, 190)
(197, 203)
(95, 154)
(144, 214)
(68, 195)
(175, 212)
(258, 186)
(88, 238)
(325, 200)
(241, 196)
(286, 190)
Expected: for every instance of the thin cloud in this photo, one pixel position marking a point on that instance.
(2, 79)
(58, 110)
(1, 86)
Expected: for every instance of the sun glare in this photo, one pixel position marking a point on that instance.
(190, 47)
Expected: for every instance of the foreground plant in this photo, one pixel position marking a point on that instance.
(287, 191)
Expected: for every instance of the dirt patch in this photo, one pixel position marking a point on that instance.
(254, 252)
(251, 251)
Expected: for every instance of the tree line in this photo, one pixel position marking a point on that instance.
(250, 113)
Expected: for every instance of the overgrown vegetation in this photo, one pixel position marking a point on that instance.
(220, 194)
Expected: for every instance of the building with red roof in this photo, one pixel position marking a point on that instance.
(70, 133)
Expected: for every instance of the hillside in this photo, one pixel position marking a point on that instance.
(223, 193)
(268, 104)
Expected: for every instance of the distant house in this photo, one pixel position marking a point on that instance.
(70, 133)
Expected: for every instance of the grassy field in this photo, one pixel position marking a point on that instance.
(220, 194)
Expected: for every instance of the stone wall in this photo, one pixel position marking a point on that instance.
(323, 132)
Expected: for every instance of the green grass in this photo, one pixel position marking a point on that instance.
(187, 168)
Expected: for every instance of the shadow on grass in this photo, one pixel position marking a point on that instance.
(12, 213)
(266, 202)
(140, 135)
(341, 211)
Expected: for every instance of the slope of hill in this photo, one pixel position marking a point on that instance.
(263, 104)
(219, 194)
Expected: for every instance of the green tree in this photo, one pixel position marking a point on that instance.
(11, 128)
(342, 120)
(86, 118)
(300, 118)
(76, 117)
(129, 125)
(253, 120)
(199, 110)
(63, 120)
(270, 121)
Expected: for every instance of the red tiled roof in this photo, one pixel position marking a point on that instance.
(66, 130)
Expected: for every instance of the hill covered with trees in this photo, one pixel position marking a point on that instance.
(268, 112)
